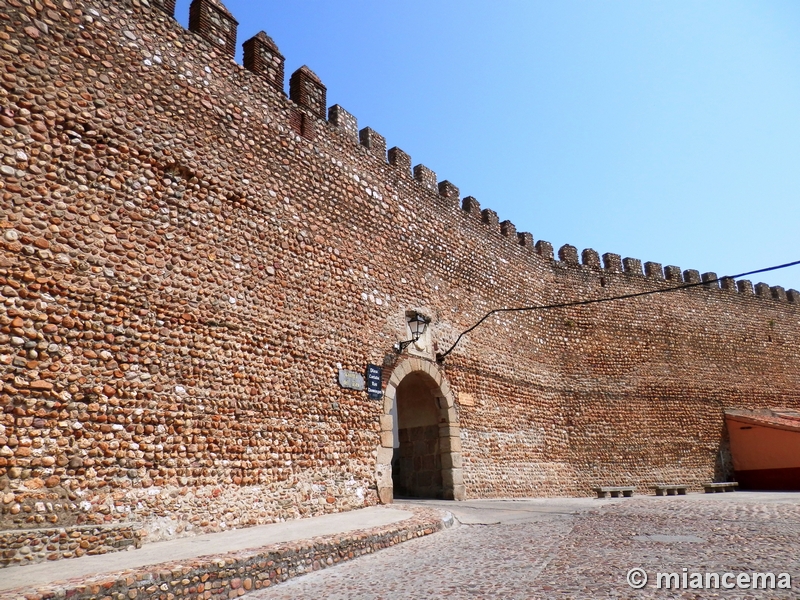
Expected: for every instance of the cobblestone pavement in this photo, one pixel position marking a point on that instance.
(576, 549)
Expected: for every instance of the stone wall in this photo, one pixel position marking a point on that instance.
(181, 244)
(25, 547)
(233, 574)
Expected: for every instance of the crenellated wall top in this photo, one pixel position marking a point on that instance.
(212, 21)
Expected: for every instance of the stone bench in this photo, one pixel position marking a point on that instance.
(670, 489)
(724, 486)
(615, 491)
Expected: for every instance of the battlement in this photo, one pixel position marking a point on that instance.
(213, 22)
(310, 117)
(261, 55)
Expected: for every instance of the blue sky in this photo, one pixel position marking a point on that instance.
(665, 131)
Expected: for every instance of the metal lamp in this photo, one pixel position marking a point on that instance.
(417, 323)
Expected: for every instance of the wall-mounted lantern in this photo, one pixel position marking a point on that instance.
(417, 324)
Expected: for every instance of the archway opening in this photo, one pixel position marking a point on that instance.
(417, 456)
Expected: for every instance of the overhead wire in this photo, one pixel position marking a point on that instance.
(441, 357)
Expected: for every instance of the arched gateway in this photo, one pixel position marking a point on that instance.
(420, 451)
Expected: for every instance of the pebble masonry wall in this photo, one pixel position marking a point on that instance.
(233, 574)
(181, 243)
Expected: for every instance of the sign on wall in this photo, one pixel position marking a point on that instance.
(374, 376)
(351, 380)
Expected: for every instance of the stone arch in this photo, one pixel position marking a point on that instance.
(416, 373)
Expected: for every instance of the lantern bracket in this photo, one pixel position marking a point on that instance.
(417, 323)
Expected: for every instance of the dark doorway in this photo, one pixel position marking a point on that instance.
(417, 461)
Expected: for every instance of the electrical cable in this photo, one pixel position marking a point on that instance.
(441, 357)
